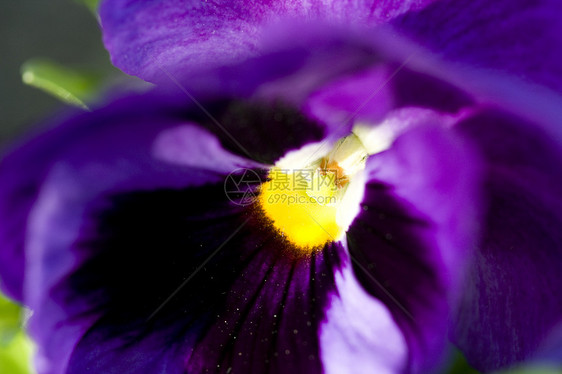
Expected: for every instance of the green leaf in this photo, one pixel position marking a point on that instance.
(15, 347)
(71, 86)
(459, 365)
(15, 357)
(10, 320)
(91, 4)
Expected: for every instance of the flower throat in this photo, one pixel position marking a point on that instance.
(305, 204)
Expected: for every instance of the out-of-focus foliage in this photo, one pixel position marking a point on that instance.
(15, 347)
(533, 370)
(459, 365)
(15, 357)
(92, 4)
(10, 317)
(71, 86)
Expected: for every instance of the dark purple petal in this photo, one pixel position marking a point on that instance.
(271, 323)
(416, 89)
(412, 236)
(22, 170)
(517, 37)
(245, 301)
(510, 302)
(550, 352)
(25, 169)
(93, 164)
(293, 65)
(115, 146)
(145, 37)
(135, 145)
(122, 206)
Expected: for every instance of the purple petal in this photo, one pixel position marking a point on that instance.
(359, 334)
(509, 304)
(411, 239)
(365, 96)
(370, 95)
(274, 312)
(96, 164)
(88, 144)
(22, 170)
(144, 38)
(517, 37)
(416, 89)
(240, 298)
(550, 352)
(244, 301)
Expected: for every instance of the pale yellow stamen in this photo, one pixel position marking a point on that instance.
(302, 204)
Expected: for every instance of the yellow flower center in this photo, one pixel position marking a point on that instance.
(303, 213)
(302, 204)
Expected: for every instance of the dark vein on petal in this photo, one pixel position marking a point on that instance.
(313, 296)
(280, 313)
(247, 310)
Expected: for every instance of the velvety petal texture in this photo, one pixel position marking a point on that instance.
(115, 196)
(145, 38)
(240, 301)
(550, 351)
(113, 207)
(522, 38)
(94, 165)
(138, 260)
(510, 303)
(24, 167)
(413, 235)
(387, 96)
(420, 206)
(168, 144)
(128, 202)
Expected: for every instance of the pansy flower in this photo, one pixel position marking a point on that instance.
(508, 304)
(139, 258)
(122, 233)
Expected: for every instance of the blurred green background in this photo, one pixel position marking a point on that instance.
(64, 31)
